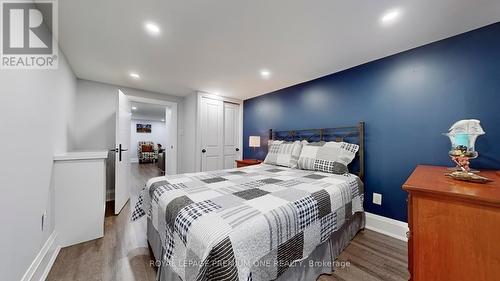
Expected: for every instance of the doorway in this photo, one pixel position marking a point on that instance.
(143, 147)
(149, 134)
(169, 144)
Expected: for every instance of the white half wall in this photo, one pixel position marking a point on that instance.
(37, 110)
(158, 135)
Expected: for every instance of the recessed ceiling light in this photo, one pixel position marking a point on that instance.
(390, 16)
(162, 120)
(265, 73)
(134, 108)
(134, 75)
(152, 29)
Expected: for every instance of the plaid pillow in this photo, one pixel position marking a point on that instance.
(283, 153)
(331, 157)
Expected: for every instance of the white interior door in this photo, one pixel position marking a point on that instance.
(171, 147)
(122, 158)
(232, 151)
(211, 134)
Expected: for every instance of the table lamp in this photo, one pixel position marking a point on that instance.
(254, 142)
(463, 135)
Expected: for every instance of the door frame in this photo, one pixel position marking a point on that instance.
(173, 130)
(198, 123)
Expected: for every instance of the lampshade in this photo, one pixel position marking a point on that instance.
(464, 134)
(254, 141)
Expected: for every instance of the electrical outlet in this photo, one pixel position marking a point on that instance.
(377, 198)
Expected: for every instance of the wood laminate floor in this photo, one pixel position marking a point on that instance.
(123, 254)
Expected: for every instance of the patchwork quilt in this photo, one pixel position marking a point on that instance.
(245, 224)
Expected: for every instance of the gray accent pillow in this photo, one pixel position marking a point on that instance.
(331, 157)
(318, 143)
(283, 153)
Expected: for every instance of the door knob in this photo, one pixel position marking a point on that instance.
(203, 150)
(237, 149)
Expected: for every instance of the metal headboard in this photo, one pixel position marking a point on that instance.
(351, 134)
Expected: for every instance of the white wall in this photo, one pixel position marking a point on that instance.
(96, 118)
(37, 108)
(188, 134)
(95, 121)
(158, 135)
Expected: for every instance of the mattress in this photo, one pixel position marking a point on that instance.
(252, 223)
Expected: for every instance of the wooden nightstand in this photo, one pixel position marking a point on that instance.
(247, 162)
(454, 226)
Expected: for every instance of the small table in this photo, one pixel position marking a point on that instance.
(247, 162)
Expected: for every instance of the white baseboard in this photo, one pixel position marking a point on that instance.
(134, 160)
(50, 263)
(390, 227)
(40, 267)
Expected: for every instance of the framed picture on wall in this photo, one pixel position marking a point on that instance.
(143, 128)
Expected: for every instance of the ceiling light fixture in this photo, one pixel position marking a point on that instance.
(152, 29)
(162, 120)
(134, 75)
(265, 73)
(390, 16)
(134, 108)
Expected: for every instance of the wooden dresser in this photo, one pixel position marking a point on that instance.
(454, 226)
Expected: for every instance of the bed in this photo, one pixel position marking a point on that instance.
(261, 222)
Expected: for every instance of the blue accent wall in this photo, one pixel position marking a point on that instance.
(407, 101)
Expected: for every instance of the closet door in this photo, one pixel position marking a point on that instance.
(211, 134)
(231, 135)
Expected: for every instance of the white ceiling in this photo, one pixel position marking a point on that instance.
(221, 45)
(146, 111)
